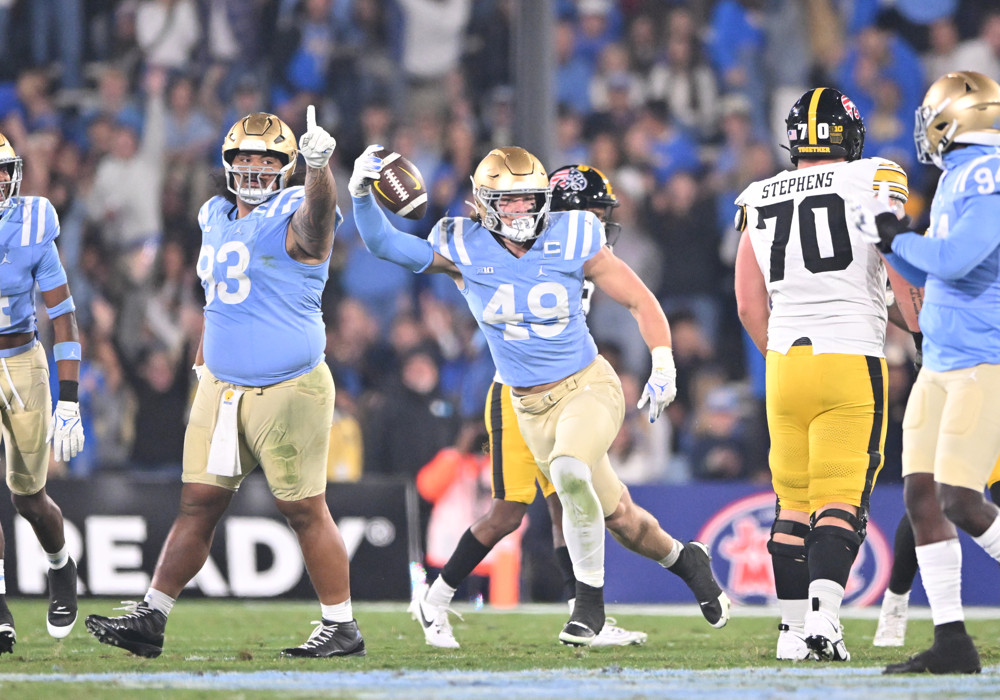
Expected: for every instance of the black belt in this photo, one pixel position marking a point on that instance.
(802, 341)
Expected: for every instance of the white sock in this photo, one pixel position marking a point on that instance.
(830, 595)
(583, 518)
(3, 581)
(895, 598)
(338, 612)
(793, 613)
(440, 593)
(158, 600)
(990, 540)
(58, 559)
(671, 558)
(941, 571)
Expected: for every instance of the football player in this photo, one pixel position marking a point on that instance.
(811, 294)
(514, 471)
(265, 395)
(521, 269)
(951, 428)
(29, 227)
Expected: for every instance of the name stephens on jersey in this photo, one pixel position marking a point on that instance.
(797, 184)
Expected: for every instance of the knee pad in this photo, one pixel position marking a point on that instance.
(858, 523)
(831, 553)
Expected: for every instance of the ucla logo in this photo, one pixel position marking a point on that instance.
(737, 537)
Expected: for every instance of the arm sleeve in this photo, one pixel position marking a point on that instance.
(386, 241)
(970, 239)
(913, 275)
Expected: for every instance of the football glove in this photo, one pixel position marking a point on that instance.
(316, 145)
(661, 388)
(66, 431)
(876, 220)
(367, 169)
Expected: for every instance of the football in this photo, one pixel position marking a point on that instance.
(401, 189)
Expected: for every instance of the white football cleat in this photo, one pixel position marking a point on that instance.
(433, 619)
(891, 630)
(792, 644)
(825, 637)
(611, 635)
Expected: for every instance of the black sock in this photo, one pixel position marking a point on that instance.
(589, 607)
(950, 629)
(791, 571)
(904, 562)
(831, 553)
(566, 567)
(464, 559)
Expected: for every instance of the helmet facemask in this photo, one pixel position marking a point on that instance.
(506, 173)
(261, 134)
(10, 190)
(523, 226)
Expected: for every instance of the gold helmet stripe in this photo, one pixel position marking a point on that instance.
(813, 104)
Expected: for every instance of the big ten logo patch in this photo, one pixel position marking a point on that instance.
(737, 537)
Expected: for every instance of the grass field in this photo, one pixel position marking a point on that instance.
(230, 649)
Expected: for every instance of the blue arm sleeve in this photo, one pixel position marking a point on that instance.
(913, 275)
(386, 241)
(970, 239)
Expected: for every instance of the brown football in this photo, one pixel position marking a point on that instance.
(401, 189)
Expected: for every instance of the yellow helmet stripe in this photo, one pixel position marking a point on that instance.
(813, 104)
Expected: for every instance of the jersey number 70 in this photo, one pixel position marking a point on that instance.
(814, 261)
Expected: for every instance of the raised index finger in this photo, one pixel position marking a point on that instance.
(310, 118)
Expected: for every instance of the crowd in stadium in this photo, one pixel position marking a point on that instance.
(118, 110)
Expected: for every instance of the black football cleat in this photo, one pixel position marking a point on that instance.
(62, 600)
(954, 653)
(330, 639)
(7, 634)
(694, 566)
(140, 631)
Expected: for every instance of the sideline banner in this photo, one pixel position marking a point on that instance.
(115, 526)
(734, 520)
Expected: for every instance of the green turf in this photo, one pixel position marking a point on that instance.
(234, 636)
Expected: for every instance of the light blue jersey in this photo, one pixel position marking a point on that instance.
(263, 320)
(28, 256)
(530, 307)
(960, 255)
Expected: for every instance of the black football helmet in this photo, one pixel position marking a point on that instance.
(587, 188)
(824, 123)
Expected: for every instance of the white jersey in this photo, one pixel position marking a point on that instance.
(824, 282)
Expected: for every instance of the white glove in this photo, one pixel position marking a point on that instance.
(316, 145)
(66, 431)
(662, 385)
(367, 169)
(878, 220)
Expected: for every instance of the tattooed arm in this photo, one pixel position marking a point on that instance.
(310, 233)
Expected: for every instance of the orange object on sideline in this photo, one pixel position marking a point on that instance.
(505, 573)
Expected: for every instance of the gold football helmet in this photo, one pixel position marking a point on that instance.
(508, 172)
(11, 163)
(959, 107)
(265, 134)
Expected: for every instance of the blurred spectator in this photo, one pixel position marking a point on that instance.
(736, 44)
(57, 29)
(432, 49)
(684, 82)
(572, 71)
(948, 53)
(723, 446)
(407, 423)
(168, 32)
(126, 194)
(689, 250)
